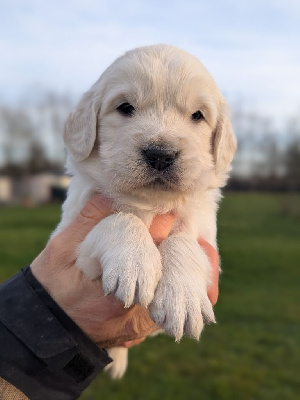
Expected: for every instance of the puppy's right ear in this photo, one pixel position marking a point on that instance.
(81, 126)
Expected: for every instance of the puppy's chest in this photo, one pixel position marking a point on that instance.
(186, 217)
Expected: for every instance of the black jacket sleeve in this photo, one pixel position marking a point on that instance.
(42, 351)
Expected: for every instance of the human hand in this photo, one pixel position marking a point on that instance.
(103, 318)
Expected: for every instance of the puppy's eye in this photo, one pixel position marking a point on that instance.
(197, 116)
(126, 109)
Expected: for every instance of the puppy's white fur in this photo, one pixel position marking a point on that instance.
(166, 86)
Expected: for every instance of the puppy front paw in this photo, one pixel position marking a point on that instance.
(121, 249)
(181, 305)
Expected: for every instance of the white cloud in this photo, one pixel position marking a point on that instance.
(248, 47)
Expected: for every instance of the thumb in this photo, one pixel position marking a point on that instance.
(91, 214)
(60, 252)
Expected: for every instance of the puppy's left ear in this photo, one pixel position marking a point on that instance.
(81, 127)
(223, 141)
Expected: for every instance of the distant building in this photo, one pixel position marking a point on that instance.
(33, 189)
(5, 189)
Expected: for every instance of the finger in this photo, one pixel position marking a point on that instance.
(213, 255)
(132, 325)
(161, 227)
(131, 343)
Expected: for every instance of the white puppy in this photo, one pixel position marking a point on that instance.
(153, 135)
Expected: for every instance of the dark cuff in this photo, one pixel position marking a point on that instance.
(43, 352)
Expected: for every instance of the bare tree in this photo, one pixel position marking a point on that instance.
(17, 130)
(31, 133)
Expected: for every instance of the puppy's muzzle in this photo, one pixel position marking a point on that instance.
(159, 158)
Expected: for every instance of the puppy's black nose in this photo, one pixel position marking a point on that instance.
(159, 158)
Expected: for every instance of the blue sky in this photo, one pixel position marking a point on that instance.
(251, 48)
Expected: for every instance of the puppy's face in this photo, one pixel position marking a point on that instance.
(155, 122)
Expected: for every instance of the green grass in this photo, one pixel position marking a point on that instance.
(253, 352)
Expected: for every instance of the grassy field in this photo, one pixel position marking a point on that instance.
(253, 352)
